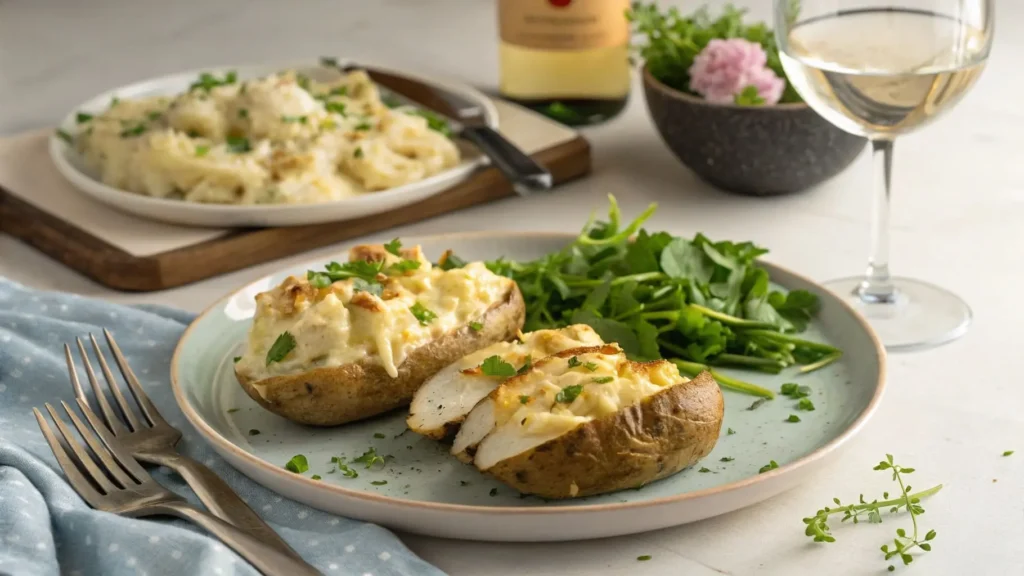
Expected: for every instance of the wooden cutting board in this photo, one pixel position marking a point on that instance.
(57, 230)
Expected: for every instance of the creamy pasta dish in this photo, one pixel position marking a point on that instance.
(282, 139)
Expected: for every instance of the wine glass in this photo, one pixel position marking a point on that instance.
(879, 69)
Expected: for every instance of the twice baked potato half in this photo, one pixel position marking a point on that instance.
(441, 404)
(588, 421)
(360, 338)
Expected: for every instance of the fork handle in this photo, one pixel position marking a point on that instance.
(267, 560)
(220, 499)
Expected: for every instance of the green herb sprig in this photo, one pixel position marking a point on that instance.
(903, 544)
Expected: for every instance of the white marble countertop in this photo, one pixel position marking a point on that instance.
(958, 221)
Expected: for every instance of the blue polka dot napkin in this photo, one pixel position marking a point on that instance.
(46, 529)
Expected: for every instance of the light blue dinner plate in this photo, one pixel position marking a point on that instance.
(423, 489)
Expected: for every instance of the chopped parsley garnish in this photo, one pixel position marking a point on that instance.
(495, 366)
(369, 458)
(730, 432)
(335, 107)
(772, 465)
(368, 271)
(339, 462)
(795, 390)
(284, 344)
(207, 81)
(449, 261)
(254, 432)
(294, 119)
(318, 279)
(364, 125)
(793, 418)
(604, 379)
(136, 130)
(379, 435)
(524, 399)
(527, 364)
(360, 285)
(422, 314)
(358, 152)
(303, 81)
(757, 404)
(65, 136)
(434, 122)
(704, 470)
(805, 404)
(243, 112)
(476, 326)
(202, 150)
(643, 558)
(328, 62)
(1008, 453)
(298, 464)
(494, 492)
(379, 482)
(82, 117)
(394, 247)
(726, 459)
(568, 394)
(238, 144)
(232, 410)
(463, 483)
(590, 366)
(315, 477)
(403, 266)
(154, 115)
(237, 358)
(574, 362)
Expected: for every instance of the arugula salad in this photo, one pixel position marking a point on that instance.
(697, 302)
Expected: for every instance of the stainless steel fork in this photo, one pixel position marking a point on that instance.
(107, 477)
(151, 439)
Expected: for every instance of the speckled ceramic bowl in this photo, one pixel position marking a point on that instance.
(750, 150)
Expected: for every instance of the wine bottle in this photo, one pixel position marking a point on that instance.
(567, 59)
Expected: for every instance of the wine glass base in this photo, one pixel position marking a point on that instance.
(922, 316)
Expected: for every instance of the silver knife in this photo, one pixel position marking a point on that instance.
(466, 119)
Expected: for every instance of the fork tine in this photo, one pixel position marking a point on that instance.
(97, 448)
(80, 454)
(83, 486)
(113, 422)
(124, 458)
(79, 391)
(147, 406)
(129, 414)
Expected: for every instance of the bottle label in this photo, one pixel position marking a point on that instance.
(563, 24)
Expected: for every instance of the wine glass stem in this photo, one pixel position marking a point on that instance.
(877, 286)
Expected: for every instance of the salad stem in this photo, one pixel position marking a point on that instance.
(693, 368)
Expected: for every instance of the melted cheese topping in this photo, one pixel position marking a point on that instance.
(606, 383)
(536, 345)
(338, 324)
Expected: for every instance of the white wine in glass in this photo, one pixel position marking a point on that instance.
(879, 70)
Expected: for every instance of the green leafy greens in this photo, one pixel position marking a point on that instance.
(673, 41)
(694, 301)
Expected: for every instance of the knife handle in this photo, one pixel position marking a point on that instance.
(526, 175)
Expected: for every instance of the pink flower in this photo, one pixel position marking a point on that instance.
(725, 67)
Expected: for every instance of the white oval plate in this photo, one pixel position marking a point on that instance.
(429, 492)
(70, 164)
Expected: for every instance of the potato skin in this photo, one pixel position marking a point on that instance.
(642, 443)
(336, 395)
